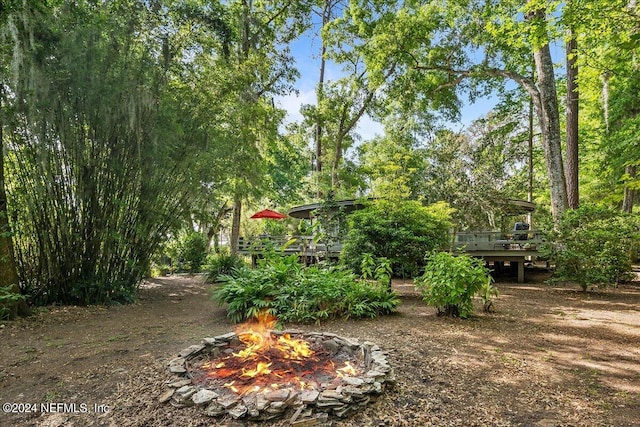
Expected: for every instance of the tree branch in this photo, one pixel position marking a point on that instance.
(524, 82)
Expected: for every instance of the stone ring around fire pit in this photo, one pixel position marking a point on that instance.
(338, 376)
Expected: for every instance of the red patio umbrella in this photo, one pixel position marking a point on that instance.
(268, 213)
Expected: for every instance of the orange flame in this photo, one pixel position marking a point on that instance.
(268, 362)
(346, 370)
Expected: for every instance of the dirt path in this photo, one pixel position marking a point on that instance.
(548, 357)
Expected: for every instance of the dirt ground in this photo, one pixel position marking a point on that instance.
(549, 356)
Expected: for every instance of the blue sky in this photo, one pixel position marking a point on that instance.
(306, 51)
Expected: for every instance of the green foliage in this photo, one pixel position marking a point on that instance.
(223, 264)
(379, 269)
(367, 266)
(449, 283)
(594, 246)
(295, 293)
(401, 232)
(8, 298)
(100, 144)
(159, 270)
(192, 251)
(488, 293)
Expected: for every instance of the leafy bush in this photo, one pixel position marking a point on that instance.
(157, 270)
(8, 299)
(291, 292)
(379, 269)
(450, 281)
(594, 247)
(190, 251)
(401, 232)
(223, 264)
(488, 293)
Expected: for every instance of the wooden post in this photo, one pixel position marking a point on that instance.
(521, 271)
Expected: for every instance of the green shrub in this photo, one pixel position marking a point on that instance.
(8, 299)
(294, 293)
(594, 246)
(379, 269)
(159, 270)
(488, 293)
(450, 281)
(401, 232)
(192, 251)
(222, 264)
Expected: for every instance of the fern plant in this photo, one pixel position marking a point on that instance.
(294, 293)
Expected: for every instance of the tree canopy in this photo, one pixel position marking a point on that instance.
(125, 122)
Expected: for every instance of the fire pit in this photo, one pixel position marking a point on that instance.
(261, 374)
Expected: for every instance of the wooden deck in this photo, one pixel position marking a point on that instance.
(516, 247)
(305, 247)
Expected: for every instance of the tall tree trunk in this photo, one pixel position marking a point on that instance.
(605, 99)
(530, 160)
(630, 170)
(235, 225)
(572, 121)
(8, 268)
(326, 17)
(629, 193)
(549, 119)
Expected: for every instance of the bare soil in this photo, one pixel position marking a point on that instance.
(549, 356)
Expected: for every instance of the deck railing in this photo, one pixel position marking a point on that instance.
(471, 241)
(468, 241)
(305, 246)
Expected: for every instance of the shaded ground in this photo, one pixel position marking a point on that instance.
(548, 357)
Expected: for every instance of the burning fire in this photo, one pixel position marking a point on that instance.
(270, 362)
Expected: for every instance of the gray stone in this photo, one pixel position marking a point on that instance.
(374, 374)
(202, 397)
(191, 350)
(355, 391)
(238, 411)
(332, 346)
(342, 411)
(249, 401)
(279, 405)
(226, 337)
(229, 401)
(164, 397)
(293, 397)
(328, 403)
(177, 365)
(277, 395)
(353, 381)
(330, 395)
(177, 361)
(186, 391)
(261, 402)
(309, 396)
(276, 408)
(214, 410)
(180, 383)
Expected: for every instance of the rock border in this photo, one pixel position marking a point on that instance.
(341, 397)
